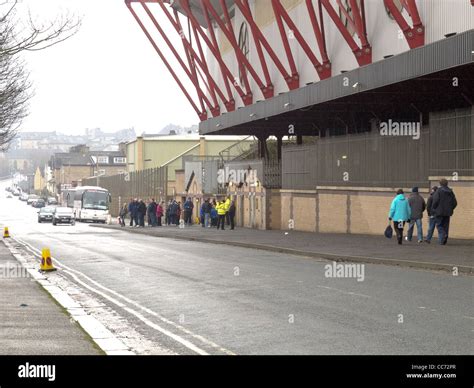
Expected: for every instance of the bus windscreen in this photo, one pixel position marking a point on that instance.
(96, 200)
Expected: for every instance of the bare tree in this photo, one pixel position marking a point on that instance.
(15, 86)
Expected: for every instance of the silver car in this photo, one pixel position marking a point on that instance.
(63, 215)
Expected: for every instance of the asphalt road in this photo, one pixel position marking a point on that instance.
(166, 296)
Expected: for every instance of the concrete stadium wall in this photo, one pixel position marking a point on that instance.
(362, 210)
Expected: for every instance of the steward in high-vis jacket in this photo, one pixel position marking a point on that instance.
(221, 212)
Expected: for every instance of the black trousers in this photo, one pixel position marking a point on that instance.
(232, 220)
(188, 217)
(221, 221)
(398, 226)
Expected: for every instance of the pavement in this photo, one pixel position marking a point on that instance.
(32, 323)
(337, 247)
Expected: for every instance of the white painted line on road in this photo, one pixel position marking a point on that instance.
(177, 338)
(421, 307)
(191, 346)
(94, 328)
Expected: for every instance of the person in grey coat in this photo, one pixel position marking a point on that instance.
(418, 206)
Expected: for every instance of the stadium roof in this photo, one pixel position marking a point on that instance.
(422, 79)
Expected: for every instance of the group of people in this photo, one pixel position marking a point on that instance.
(440, 207)
(218, 213)
(212, 213)
(138, 211)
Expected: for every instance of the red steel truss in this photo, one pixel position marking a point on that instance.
(217, 89)
(415, 35)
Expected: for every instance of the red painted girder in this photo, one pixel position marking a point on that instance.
(247, 99)
(194, 69)
(415, 35)
(243, 61)
(324, 71)
(202, 114)
(269, 89)
(318, 31)
(234, 44)
(363, 54)
(204, 68)
(230, 104)
(292, 81)
(177, 56)
(284, 38)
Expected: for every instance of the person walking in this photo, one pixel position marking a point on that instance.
(232, 214)
(431, 217)
(221, 214)
(141, 213)
(151, 211)
(188, 212)
(443, 205)
(417, 206)
(400, 213)
(159, 213)
(122, 214)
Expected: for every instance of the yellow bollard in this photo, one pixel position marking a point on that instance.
(6, 233)
(46, 261)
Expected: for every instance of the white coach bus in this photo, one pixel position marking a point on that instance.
(91, 203)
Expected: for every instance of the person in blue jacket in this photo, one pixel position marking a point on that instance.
(400, 213)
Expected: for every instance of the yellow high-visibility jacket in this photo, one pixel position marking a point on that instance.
(220, 208)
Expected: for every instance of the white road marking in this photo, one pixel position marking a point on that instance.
(177, 338)
(37, 252)
(103, 337)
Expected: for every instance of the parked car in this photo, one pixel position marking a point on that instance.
(9, 196)
(39, 203)
(31, 198)
(46, 214)
(52, 201)
(23, 197)
(63, 215)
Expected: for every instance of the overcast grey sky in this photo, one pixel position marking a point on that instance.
(107, 76)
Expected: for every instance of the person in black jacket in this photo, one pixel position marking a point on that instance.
(443, 205)
(431, 217)
(141, 213)
(151, 210)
